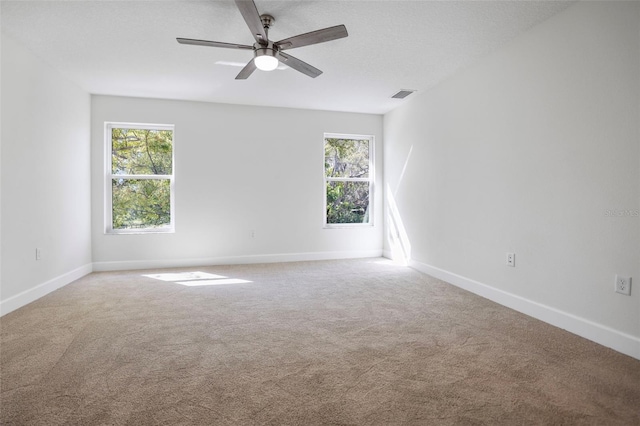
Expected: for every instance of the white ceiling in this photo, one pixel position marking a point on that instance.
(128, 48)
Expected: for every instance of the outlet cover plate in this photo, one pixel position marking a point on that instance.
(623, 285)
(511, 259)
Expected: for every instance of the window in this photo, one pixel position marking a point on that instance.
(139, 178)
(348, 171)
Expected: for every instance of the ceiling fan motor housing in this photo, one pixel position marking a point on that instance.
(265, 50)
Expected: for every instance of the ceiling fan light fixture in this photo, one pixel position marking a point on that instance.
(266, 60)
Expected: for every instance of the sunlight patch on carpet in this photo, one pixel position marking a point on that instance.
(196, 279)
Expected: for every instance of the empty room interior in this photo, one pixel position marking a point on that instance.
(313, 212)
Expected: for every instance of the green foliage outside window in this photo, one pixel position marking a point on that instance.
(347, 172)
(141, 203)
(141, 152)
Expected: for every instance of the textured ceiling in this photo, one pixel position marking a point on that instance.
(128, 48)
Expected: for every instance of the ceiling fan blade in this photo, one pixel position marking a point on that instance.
(251, 16)
(314, 37)
(212, 43)
(247, 70)
(299, 65)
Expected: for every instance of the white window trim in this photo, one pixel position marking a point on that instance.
(370, 179)
(108, 195)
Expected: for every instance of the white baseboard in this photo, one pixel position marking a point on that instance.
(34, 293)
(606, 336)
(233, 260)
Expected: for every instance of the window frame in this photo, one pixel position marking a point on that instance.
(370, 179)
(109, 176)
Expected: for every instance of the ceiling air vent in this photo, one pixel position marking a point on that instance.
(403, 93)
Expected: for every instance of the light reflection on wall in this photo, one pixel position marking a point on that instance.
(397, 237)
(396, 234)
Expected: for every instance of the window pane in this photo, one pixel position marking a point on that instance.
(141, 152)
(141, 203)
(346, 158)
(347, 202)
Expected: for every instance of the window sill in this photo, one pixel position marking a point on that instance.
(347, 225)
(140, 232)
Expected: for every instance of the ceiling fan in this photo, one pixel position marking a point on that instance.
(268, 54)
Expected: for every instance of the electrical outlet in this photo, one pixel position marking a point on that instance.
(38, 253)
(623, 285)
(511, 259)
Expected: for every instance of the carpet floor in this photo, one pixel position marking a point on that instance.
(348, 342)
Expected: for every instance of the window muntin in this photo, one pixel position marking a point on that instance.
(139, 178)
(348, 170)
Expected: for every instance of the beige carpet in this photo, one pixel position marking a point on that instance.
(355, 342)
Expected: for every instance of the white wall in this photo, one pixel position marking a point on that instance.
(238, 169)
(526, 152)
(45, 178)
